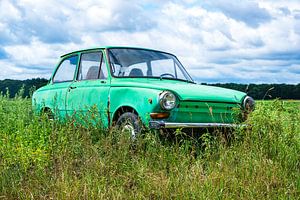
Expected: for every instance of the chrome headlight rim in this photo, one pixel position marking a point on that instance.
(164, 100)
(248, 103)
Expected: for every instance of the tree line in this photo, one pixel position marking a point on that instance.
(265, 91)
(13, 87)
(257, 91)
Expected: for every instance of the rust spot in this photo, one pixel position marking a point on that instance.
(150, 101)
(211, 110)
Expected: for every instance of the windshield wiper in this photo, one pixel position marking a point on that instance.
(178, 79)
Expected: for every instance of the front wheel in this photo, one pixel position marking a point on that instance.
(48, 113)
(129, 122)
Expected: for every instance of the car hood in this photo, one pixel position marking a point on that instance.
(189, 91)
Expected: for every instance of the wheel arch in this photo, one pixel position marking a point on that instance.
(45, 109)
(121, 110)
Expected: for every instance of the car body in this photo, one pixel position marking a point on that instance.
(152, 85)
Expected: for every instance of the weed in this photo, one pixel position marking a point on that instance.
(44, 159)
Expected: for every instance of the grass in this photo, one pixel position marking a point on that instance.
(42, 159)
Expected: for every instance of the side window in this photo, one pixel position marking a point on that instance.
(91, 65)
(66, 70)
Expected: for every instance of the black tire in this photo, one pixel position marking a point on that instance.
(129, 122)
(49, 114)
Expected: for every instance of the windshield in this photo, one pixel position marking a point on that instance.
(126, 62)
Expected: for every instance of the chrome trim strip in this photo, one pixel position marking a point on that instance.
(194, 125)
(162, 124)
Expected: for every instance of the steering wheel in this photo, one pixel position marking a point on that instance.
(167, 74)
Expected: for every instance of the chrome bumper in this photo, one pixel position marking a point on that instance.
(162, 124)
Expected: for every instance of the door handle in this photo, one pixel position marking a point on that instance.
(70, 88)
(102, 81)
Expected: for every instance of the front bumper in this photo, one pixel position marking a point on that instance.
(163, 124)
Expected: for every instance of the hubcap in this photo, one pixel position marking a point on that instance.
(129, 128)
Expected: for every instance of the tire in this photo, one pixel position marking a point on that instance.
(48, 113)
(129, 122)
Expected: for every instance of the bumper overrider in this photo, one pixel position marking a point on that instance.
(163, 124)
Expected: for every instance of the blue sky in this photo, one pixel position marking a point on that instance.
(217, 41)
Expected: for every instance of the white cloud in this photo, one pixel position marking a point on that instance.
(10, 70)
(213, 42)
(9, 11)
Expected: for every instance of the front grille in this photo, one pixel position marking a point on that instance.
(193, 111)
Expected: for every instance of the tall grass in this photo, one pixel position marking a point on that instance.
(42, 159)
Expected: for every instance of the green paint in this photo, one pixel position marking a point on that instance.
(195, 103)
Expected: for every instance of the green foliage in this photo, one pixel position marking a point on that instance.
(265, 91)
(44, 159)
(14, 86)
(257, 91)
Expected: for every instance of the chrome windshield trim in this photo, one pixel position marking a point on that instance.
(162, 124)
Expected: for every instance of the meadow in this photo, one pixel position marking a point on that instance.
(43, 159)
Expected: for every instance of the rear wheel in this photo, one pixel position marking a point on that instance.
(129, 123)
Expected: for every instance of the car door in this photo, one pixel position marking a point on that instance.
(60, 83)
(90, 90)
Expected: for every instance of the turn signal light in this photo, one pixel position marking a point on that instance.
(159, 115)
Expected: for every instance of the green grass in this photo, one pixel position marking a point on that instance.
(42, 159)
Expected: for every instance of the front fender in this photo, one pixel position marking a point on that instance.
(143, 100)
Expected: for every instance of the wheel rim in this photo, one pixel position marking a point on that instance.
(129, 128)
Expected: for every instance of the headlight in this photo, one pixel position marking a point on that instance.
(167, 100)
(248, 104)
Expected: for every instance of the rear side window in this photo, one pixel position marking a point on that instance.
(66, 70)
(92, 66)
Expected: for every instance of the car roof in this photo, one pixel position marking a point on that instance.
(106, 47)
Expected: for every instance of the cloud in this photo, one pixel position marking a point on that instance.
(62, 22)
(9, 15)
(285, 11)
(248, 12)
(11, 71)
(295, 69)
(9, 12)
(217, 41)
(284, 55)
(3, 54)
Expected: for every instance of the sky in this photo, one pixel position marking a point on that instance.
(217, 41)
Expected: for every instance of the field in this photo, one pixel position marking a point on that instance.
(42, 159)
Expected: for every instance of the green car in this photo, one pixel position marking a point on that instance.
(135, 88)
